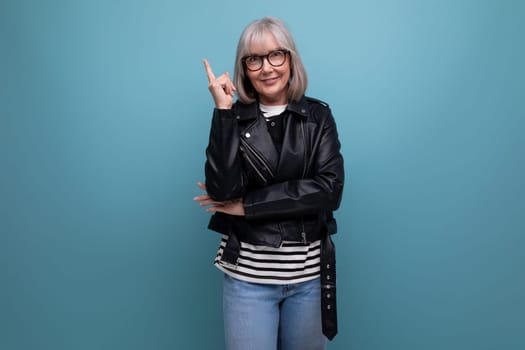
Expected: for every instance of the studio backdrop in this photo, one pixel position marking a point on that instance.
(105, 115)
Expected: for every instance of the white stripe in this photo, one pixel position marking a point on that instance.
(274, 265)
(281, 258)
(250, 271)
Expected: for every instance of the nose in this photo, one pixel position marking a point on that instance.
(266, 66)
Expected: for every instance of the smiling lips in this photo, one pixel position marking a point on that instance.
(270, 81)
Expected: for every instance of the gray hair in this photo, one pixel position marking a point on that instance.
(253, 33)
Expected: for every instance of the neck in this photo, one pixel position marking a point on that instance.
(268, 101)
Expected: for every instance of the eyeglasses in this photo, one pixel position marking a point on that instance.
(275, 58)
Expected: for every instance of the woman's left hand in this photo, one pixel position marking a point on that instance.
(232, 207)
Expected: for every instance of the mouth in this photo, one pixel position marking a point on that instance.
(270, 81)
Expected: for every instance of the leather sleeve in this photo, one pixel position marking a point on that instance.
(320, 191)
(223, 168)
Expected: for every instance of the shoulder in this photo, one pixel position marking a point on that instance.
(244, 110)
(319, 109)
(316, 101)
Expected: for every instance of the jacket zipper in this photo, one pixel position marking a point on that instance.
(254, 166)
(261, 160)
(303, 233)
(304, 154)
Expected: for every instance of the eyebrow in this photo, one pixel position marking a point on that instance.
(256, 54)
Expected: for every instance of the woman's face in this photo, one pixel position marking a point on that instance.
(270, 82)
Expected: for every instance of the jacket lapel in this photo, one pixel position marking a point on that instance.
(258, 137)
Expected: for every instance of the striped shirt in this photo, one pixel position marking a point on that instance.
(293, 262)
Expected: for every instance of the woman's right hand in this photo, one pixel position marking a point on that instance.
(232, 207)
(221, 88)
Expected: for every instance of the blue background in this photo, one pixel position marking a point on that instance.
(104, 121)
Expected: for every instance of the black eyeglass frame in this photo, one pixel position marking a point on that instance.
(262, 57)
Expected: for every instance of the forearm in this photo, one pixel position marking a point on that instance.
(291, 198)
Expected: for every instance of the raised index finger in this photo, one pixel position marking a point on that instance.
(209, 72)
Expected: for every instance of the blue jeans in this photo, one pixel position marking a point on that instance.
(271, 317)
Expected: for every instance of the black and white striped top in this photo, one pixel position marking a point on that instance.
(293, 262)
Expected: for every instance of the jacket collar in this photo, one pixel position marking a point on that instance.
(249, 111)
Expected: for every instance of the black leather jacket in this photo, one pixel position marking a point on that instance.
(288, 195)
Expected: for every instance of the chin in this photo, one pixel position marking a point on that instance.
(273, 94)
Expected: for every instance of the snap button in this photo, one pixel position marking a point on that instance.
(327, 266)
(328, 296)
(328, 277)
(247, 135)
(303, 110)
(272, 123)
(238, 117)
(328, 307)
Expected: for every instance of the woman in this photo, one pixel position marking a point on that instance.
(274, 174)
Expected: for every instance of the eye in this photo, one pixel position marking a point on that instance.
(252, 59)
(276, 54)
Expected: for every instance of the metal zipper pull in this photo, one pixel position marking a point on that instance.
(303, 235)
